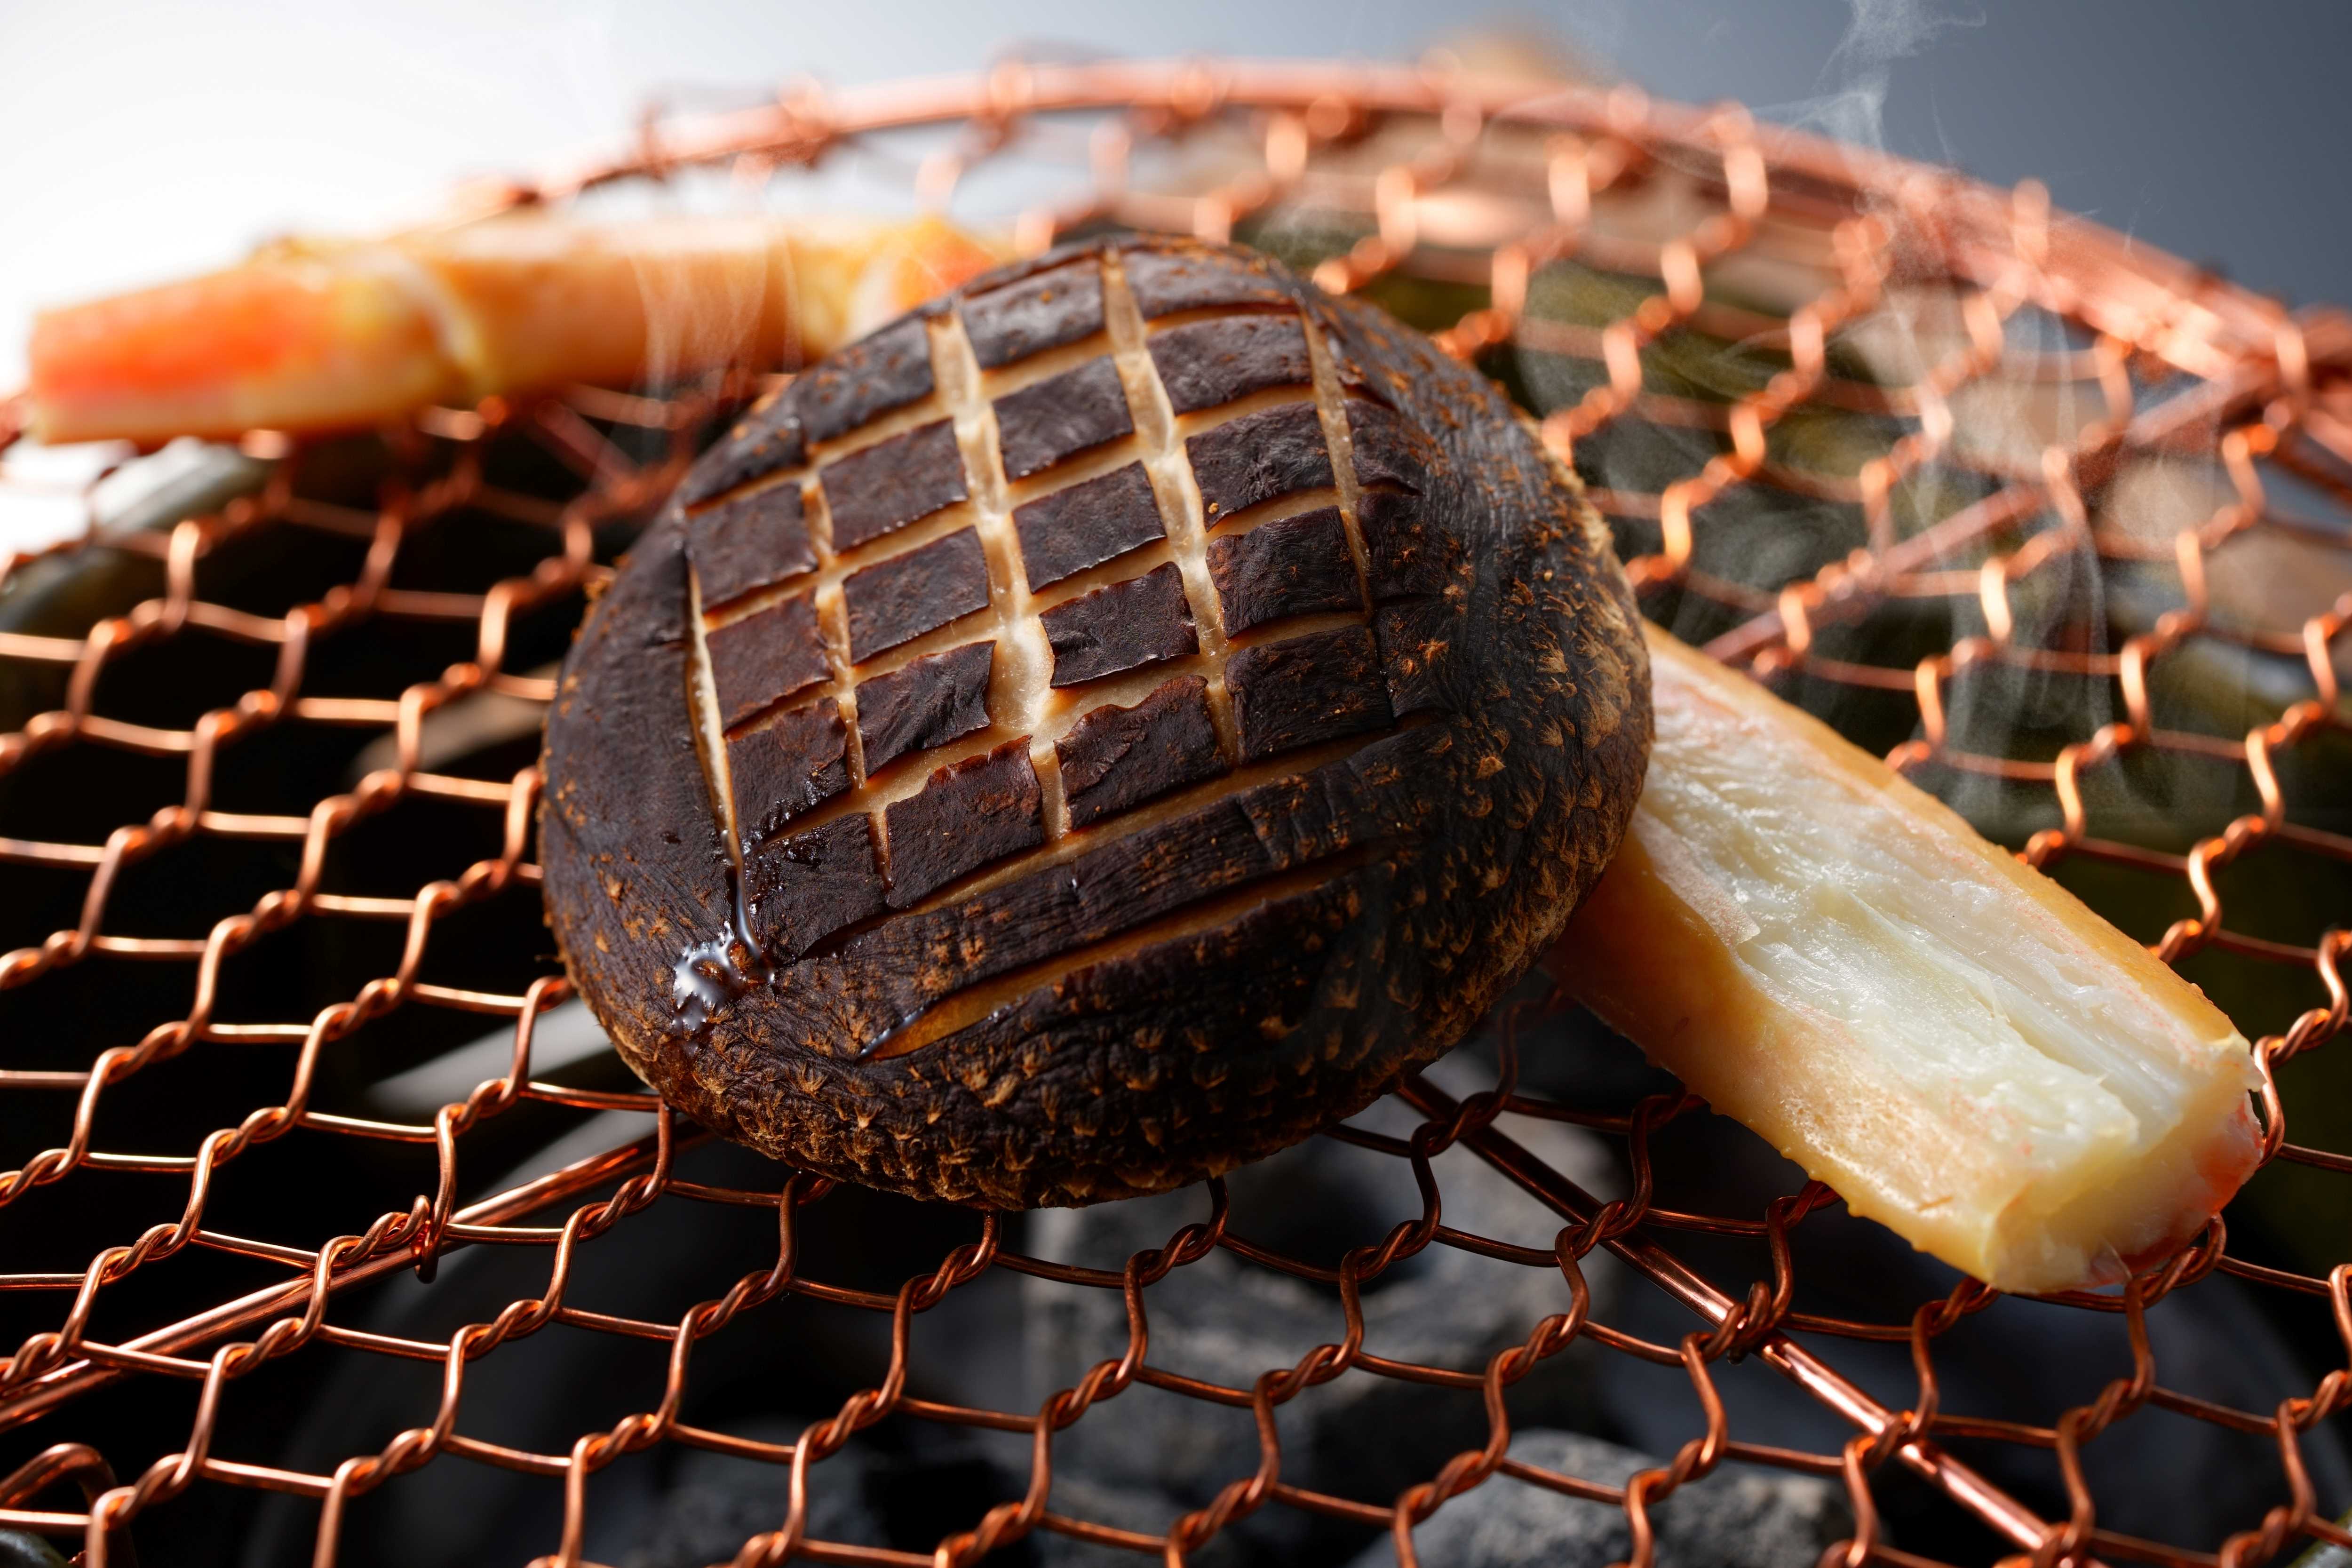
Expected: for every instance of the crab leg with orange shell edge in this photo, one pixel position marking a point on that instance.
(316, 335)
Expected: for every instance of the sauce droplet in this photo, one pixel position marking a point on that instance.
(705, 976)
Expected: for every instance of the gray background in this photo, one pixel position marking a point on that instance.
(142, 138)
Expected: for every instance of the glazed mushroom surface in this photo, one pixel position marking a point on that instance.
(1090, 734)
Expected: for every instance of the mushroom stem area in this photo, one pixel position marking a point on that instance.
(1951, 1040)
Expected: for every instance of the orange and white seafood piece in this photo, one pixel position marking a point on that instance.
(1953, 1042)
(320, 335)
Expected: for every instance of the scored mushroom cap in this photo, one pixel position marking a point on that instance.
(1092, 732)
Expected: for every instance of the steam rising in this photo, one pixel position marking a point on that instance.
(697, 316)
(1879, 33)
(2004, 420)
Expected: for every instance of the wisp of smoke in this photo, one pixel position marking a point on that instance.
(1879, 33)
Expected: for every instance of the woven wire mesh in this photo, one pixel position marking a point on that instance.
(2058, 525)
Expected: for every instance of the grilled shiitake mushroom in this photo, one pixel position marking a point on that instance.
(1089, 734)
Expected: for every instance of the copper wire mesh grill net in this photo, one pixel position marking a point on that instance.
(1892, 439)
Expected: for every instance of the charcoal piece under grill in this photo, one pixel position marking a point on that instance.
(1746, 1518)
(1193, 848)
(1225, 1320)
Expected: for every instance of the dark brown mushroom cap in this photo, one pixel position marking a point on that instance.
(1089, 734)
